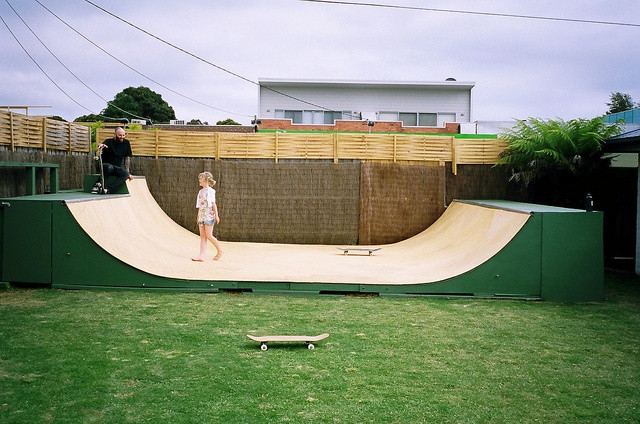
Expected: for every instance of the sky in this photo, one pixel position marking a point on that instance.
(206, 57)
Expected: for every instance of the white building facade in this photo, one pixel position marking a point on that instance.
(322, 102)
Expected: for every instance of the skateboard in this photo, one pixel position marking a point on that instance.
(263, 340)
(99, 184)
(370, 250)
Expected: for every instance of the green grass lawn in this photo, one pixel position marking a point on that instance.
(134, 356)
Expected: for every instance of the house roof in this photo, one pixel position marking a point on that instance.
(627, 142)
(274, 82)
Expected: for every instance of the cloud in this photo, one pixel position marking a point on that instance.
(521, 67)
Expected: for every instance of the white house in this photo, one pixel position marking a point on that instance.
(322, 102)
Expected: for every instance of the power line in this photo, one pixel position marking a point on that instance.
(71, 72)
(43, 71)
(131, 68)
(469, 12)
(200, 58)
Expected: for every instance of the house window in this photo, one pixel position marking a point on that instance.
(294, 115)
(316, 117)
(414, 119)
(408, 119)
(330, 117)
(387, 116)
(427, 119)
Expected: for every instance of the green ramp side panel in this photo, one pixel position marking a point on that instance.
(78, 262)
(515, 270)
(572, 256)
(26, 241)
(512, 272)
(4, 204)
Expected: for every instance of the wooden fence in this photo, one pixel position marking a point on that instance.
(17, 130)
(331, 146)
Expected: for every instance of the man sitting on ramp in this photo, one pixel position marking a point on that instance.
(114, 151)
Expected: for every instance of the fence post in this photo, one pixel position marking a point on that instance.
(156, 146)
(13, 143)
(335, 147)
(70, 138)
(216, 147)
(277, 141)
(454, 156)
(44, 134)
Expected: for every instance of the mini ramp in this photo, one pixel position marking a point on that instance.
(486, 249)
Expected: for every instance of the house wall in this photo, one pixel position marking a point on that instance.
(368, 98)
(631, 116)
(357, 126)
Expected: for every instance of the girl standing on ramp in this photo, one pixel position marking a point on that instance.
(207, 215)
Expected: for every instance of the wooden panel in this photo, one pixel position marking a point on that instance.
(346, 146)
(305, 145)
(424, 148)
(479, 151)
(18, 130)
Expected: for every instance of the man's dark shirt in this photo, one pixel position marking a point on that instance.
(116, 151)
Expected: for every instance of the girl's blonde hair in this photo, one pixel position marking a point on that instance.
(207, 176)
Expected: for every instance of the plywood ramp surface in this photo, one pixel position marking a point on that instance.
(135, 230)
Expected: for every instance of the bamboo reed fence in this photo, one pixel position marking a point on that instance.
(327, 146)
(17, 130)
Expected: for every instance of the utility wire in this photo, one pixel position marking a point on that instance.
(381, 5)
(469, 12)
(131, 68)
(43, 71)
(202, 59)
(71, 72)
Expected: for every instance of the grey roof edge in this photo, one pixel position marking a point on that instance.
(347, 82)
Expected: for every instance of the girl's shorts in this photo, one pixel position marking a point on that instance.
(210, 222)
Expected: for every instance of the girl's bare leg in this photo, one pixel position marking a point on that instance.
(212, 239)
(203, 245)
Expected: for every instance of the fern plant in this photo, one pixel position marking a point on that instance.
(542, 149)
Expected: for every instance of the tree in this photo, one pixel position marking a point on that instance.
(227, 121)
(139, 102)
(619, 103)
(562, 159)
(92, 117)
(197, 122)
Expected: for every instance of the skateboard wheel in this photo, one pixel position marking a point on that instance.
(263, 346)
(310, 346)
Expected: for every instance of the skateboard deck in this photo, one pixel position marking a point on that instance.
(370, 250)
(263, 340)
(98, 157)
